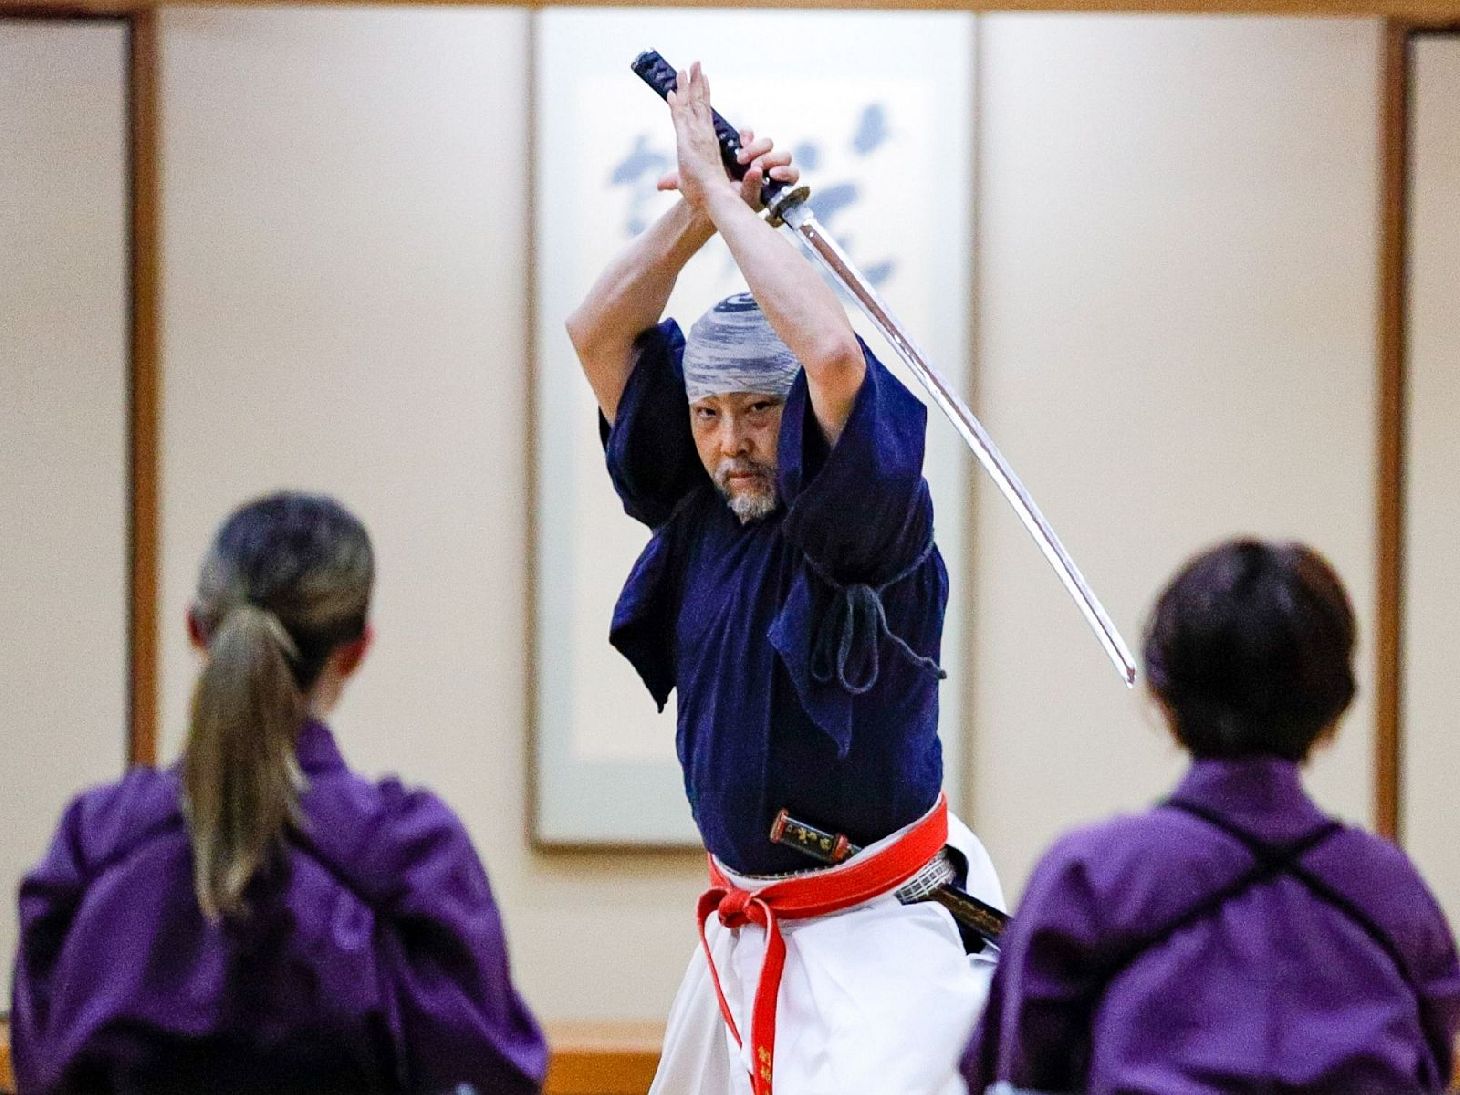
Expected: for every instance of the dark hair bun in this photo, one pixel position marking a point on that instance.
(1250, 649)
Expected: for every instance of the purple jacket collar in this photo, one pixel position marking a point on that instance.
(1262, 795)
(317, 752)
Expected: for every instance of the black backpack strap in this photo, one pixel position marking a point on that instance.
(1282, 858)
(1268, 862)
(1319, 889)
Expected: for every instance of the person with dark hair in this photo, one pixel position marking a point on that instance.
(259, 918)
(1234, 938)
(793, 596)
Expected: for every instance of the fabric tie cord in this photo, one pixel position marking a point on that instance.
(855, 625)
(872, 873)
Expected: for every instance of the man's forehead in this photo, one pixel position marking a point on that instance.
(737, 399)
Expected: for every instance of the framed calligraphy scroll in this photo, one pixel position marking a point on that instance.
(875, 106)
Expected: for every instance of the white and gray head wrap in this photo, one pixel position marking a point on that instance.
(731, 348)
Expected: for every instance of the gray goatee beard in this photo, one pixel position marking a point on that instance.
(756, 499)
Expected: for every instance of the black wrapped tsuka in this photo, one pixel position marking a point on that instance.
(817, 843)
(659, 74)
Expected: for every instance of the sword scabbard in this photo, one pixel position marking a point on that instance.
(970, 911)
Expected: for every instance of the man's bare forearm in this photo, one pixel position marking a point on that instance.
(800, 306)
(630, 296)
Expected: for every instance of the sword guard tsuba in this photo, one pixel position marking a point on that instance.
(775, 210)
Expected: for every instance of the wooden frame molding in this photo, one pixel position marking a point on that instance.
(1389, 586)
(144, 387)
(1417, 10)
(143, 380)
(1393, 362)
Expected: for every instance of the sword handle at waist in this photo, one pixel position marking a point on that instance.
(979, 917)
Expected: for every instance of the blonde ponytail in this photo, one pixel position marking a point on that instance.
(240, 777)
(287, 581)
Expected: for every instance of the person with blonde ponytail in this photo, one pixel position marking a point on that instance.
(259, 918)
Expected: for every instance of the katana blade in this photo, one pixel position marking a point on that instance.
(790, 209)
(802, 224)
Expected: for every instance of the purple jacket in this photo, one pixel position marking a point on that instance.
(372, 957)
(1234, 940)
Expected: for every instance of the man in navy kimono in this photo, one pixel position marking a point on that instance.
(793, 596)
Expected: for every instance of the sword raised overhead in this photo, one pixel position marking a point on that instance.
(788, 207)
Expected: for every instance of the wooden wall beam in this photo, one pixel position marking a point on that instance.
(1395, 156)
(145, 389)
(1389, 585)
(1422, 11)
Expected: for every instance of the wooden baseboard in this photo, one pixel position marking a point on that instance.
(602, 1058)
(7, 1079)
(587, 1058)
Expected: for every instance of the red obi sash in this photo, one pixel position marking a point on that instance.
(872, 873)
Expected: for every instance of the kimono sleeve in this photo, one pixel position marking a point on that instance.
(859, 510)
(644, 619)
(49, 899)
(1436, 972)
(873, 588)
(461, 1019)
(649, 448)
(1035, 1030)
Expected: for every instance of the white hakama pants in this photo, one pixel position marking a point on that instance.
(878, 999)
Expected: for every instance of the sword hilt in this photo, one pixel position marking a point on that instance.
(659, 74)
(817, 843)
(983, 920)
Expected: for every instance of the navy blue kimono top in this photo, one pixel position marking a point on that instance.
(803, 646)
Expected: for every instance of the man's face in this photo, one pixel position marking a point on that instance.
(736, 435)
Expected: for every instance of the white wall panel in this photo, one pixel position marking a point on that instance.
(1177, 336)
(63, 429)
(346, 310)
(1431, 640)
